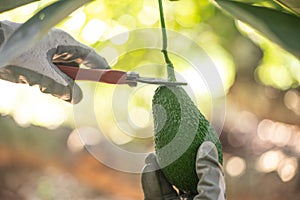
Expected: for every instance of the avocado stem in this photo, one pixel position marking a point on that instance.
(169, 64)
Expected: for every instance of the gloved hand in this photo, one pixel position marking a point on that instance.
(35, 66)
(211, 185)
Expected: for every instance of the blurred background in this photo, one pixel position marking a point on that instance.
(43, 157)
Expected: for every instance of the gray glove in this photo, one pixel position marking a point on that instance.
(211, 185)
(35, 66)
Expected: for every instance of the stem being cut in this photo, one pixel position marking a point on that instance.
(169, 64)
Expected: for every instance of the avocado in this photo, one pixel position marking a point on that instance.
(179, 130)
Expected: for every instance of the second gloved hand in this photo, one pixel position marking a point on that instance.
(37, 65)
(211, 185)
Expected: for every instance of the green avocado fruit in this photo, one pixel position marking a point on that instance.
(179, 130)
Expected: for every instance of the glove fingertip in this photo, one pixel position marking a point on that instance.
(207, 149)
(151, 158)
(76, 94)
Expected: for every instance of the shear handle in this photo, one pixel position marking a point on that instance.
(97, 75)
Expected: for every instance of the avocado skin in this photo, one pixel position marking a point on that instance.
(175, 114)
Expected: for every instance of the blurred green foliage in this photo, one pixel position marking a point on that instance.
(7, 5)
(280, 27)
(242, 48)
(219, 35)
(35, 28)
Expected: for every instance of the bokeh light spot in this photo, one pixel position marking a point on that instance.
(148, 15)
(287, 169)
(10, 90)
(120, 34)
(269, 161)
(292, 101)
(76, 21)
(186, 13)
(264, 130)
(23, 116)
(74, 142)
(275, 132)
(93, 31)
(235, 166)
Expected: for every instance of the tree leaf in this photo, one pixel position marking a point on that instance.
(11, 4)
(291, 4)
(36, 27)
(279, 27)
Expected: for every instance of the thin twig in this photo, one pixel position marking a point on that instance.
(169, 64)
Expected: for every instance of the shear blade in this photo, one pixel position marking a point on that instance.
(159, 81)
(133, 77)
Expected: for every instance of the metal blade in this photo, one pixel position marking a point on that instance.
(133, 77)
(159, 81)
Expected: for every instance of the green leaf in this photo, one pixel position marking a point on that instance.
(294, 5)
(36, 27)
(11, 4)
(279, 27)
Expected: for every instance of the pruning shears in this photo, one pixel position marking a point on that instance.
(113, 76)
